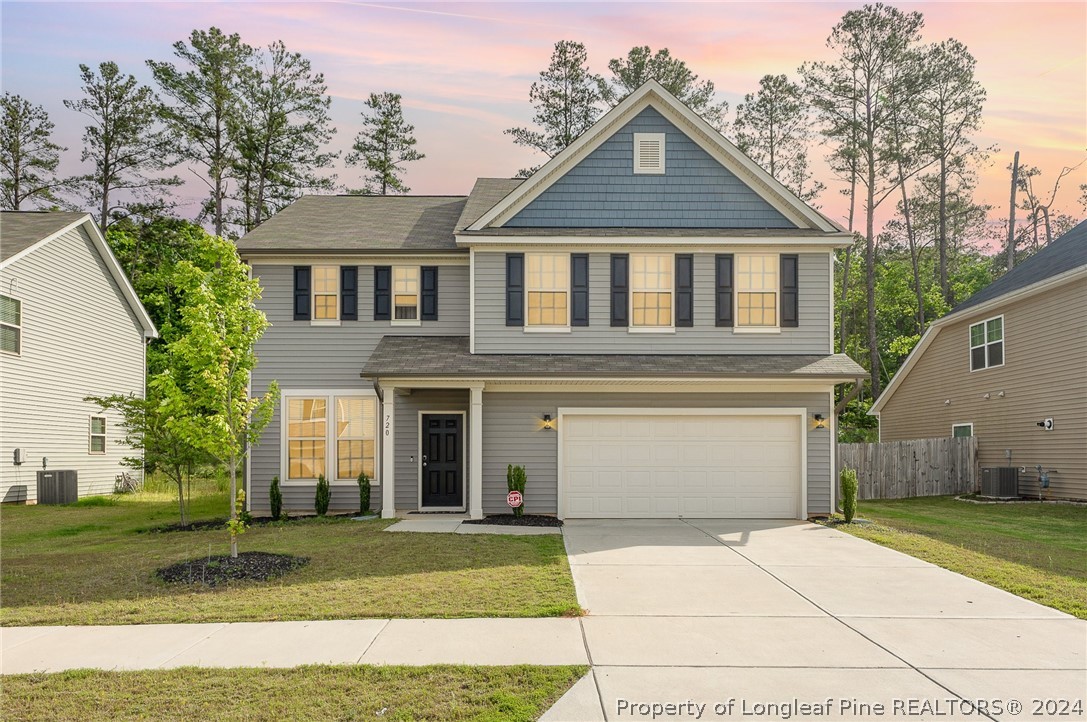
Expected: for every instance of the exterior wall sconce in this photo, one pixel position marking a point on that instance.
(947, 402)
(548, 422)
(820, 421)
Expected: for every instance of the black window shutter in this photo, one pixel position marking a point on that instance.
(723, 262)
(579, 287)
(383, 281)
(429, 279)
(301, 293)
(515, 289)
(684, 289)
(349, 293)
(620, 288)
(790, 287)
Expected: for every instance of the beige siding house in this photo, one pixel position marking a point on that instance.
(71, 326)
(1000, 364)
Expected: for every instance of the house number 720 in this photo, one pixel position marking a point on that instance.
(388, 424)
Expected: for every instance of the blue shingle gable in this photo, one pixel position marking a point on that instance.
(602, 190)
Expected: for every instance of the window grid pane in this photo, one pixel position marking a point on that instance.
(98, 444)
(757, 309)
(307, 428)
(10, 339)
(977, 334)
(995, 330)
(652, 309)
(11, 311)
(356, 427)
(98, 425)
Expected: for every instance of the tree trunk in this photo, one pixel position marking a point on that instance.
(914, 257)
(233, 503)
(1011, 213)
(1048, 228)
(870, 279)
(945, 286)
(181, 500)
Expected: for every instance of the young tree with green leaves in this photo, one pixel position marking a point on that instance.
(641, 64)
(566, 100)
(124, 141)
(384, 145)
(205, 391)
(279, 133)
(205, 93)
(772, 126)
(851, 95)
(28, 155)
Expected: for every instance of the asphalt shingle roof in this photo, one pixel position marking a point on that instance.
(1063, 254)
(20, 230)
(329, 224)
(484, 196)
(418, 356)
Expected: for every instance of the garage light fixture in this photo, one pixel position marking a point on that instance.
(548, 423)
(820, 421)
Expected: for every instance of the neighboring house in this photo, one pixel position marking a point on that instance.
(1002, 362)
(645, 324)
(70, 326)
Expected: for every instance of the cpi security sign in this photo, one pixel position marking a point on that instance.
(514, 499)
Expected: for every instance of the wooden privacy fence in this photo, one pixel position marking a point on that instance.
(921, 467)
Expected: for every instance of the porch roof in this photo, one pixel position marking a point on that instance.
(449, 356)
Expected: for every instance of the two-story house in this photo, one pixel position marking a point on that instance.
(645, 324)
(71, 326)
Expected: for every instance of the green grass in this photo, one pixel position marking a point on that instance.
(441, 693)
(94, 564)
(1037, 551)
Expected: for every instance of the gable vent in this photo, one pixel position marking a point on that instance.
(649, 152)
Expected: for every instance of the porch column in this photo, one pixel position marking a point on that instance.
(475, 462)
(388, 456)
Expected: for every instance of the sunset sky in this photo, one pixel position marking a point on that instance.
(464, 69)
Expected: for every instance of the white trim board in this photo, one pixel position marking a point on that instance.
(677, 244)
(800, 413)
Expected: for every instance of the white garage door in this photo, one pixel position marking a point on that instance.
(664, 466)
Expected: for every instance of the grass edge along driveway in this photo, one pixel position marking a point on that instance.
(94, 563)
(1036, 551)
(440, 693)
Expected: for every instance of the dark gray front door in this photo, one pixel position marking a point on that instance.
(443, 467)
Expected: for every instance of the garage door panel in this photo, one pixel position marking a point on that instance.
(681, 465)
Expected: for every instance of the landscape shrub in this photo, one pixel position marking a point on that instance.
(275, 499)
(324, 496)
(364, 493)
(515, 481)
(849, 494)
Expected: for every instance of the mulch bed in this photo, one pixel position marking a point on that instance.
(206, 524)
(511, 520)
(222, 569)
(842, 522)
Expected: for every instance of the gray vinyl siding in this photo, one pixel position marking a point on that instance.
(80, 338)
(407, 438)
(812, 336)
(300, 356)
(512, 435)
(695, 191)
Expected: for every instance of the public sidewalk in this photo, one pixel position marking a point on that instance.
(290, 644)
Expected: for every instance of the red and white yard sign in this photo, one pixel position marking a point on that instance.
(514, 499)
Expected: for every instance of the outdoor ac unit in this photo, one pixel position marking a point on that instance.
(58, 487)
(1000, 482)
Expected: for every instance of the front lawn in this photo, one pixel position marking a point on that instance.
(94, 563)
(440, 693)
(1037, 551)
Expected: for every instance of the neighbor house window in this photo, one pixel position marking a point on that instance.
(651, 289)
(960, 431)
(326, 293)
(547, 286)
(97, 435)
(356, 424)
(987, 344)
(11, 325)
(405, 293)
(757, 290)
(307, 436)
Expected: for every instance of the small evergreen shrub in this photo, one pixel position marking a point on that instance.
(324, 496)
(849, 493)
(275, 499)
(364, 493)
(515, 481)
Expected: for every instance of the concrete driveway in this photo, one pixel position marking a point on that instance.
(753, 619)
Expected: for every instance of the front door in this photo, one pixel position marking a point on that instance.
(443, 464)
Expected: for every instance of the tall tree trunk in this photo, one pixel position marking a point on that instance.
(914, 256)
(1048, 228)
(870, 278)
(1011, 213)
(945, 286)
(181, 500)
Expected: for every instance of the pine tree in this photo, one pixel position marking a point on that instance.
(384, 145)
(28, 155)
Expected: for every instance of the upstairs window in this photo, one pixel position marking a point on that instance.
(406, 294)
(987, 344)
(757, 290)
(11, 325)
(97, 435)
(649, 153)
(547, 285)
(326, 293)
(651, 290)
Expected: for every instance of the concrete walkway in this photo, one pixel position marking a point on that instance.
(290, 644)
(764, 612)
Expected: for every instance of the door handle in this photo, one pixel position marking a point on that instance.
(424, 460)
